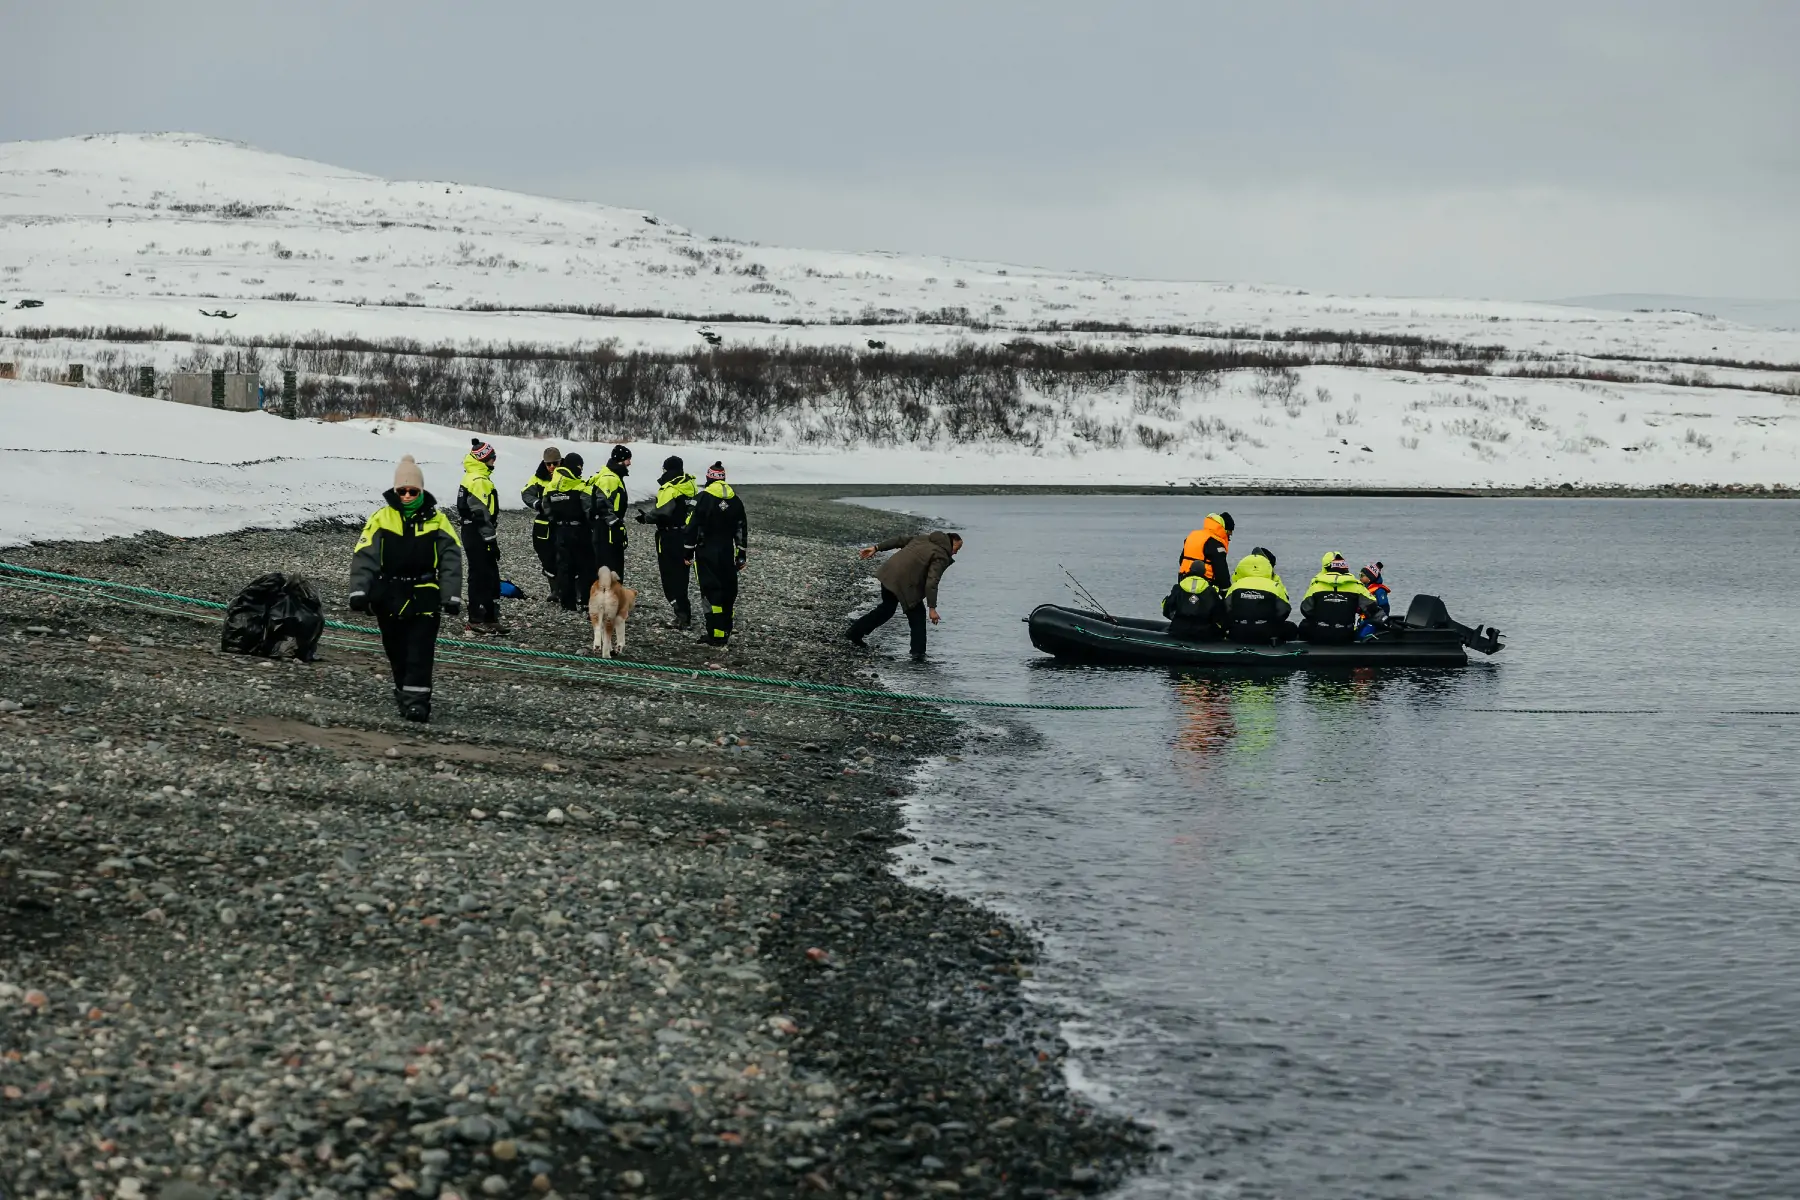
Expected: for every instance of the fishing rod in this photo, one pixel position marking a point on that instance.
(1085, 596)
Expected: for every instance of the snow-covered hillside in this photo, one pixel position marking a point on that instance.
(136, 232)
(132, 229)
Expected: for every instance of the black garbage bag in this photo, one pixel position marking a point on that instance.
(274, 616)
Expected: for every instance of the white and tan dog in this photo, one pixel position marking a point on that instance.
(609, 605)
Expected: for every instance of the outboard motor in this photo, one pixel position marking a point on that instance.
(1428, 612)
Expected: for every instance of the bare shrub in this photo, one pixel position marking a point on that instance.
(1278, 384)
(1477, 430)
(1107, 437)
(1698, 440)
(1152, 438)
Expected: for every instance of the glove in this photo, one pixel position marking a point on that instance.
(359, 602)
(643, 518)
(743, 556)
(453, 605)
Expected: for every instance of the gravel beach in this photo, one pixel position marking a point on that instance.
(592, 932)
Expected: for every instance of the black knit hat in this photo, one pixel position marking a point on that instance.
(672, 463)
(620, 454)
(573, 463)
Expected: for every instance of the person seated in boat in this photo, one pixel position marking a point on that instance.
(1335, 603)
(1195, 609)
(1371, 579)
(1203, 550)
(1256, 603)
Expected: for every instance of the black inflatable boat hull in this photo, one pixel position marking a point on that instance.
(1075, 635)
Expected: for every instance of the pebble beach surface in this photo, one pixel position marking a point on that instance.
(579, 936)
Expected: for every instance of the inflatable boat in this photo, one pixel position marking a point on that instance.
(1427, 637)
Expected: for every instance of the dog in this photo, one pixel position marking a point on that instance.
(609, 606)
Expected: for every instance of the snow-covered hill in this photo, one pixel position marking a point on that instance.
(132, 229)
(135, 232)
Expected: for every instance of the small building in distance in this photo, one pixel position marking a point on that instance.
(217, 389)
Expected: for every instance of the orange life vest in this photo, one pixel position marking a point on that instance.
(1193, 549)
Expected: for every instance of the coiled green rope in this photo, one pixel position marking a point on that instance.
(606, 666)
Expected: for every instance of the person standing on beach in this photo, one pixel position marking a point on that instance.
(568, 502)
(609, 511)
(407, 570)
(532, 497)
(718, 542)
(909, 582)
(675, 494)
(478, 511)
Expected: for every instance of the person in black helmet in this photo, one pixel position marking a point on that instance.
(675, 494)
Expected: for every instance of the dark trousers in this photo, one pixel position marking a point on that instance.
(610, 554)
(718, 591)
(411, 646)
(575, 566)
(878, 616)
(546, 549)
(671, 563)
(483, 595)
(1327, 635)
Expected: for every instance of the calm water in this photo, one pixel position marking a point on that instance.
(1386, 934)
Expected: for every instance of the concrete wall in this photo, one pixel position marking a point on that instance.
(196, 387)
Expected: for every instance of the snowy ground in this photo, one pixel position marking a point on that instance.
(85, 463)
(136, 231)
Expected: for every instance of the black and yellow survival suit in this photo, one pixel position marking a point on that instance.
(1194, 608)
(568, 504)
(675, 493)
(407, 569)
(609, 517)
(1256, 603)
(478, 511)
(532, 497)
(1333, 602)
(718, 537)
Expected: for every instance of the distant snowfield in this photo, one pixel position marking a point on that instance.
(81, 463)
(141, 231)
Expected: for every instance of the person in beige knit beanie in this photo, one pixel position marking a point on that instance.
(407, 570)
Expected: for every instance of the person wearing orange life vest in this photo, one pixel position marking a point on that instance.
(1203, 551)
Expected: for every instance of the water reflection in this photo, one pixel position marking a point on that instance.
(1221, 714)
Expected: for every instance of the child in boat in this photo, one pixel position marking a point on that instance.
(1370, 576)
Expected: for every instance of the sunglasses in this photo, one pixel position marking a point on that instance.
(406, 491)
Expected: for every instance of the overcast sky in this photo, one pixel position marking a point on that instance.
(1522, 148)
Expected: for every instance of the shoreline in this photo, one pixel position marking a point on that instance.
(1561, 492)
(266, 913)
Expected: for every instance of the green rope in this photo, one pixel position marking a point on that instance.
(610, 665)
(671, 685)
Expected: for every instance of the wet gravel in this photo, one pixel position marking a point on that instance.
(261, 938)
